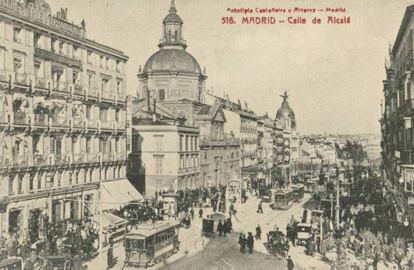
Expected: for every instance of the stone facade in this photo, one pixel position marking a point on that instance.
(62, 117)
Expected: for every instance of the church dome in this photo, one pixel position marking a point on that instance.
(172, 59)
(286, 114)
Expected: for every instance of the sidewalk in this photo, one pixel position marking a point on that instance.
(191, 242)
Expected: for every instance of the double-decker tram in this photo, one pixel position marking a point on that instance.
(150, 243)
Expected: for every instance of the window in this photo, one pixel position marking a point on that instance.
(89, 57)
(186, 143)
(90, 80)
(76, 52)
(158, 142)
(117, 115)
(17, 35)
(61, 48)
(118, 87)
(102, 64)
(37, 69)
(118, 65)
(103, 114)
(39, 181)
(181, 143)
(49, 181)
(158, 165)
(52, 44)
(76, 78)
(161, 94)
(36, 40)
(88, 111)
(107, 63)
(18, 64)
(196, 143)
(88, 145)
(205, 155)
(104, 84)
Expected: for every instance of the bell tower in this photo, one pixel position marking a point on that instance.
(172, 26)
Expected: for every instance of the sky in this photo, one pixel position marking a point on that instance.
(333, 73)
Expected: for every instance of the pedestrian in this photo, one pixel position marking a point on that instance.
(260, 208)
(250, 242)
(200, 213)
(258, 232)
(77, 262)
(290, 264)
(192, 212)
(110, 256)
(242, 243)
(220, 227)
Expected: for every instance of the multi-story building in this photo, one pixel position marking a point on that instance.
(219, 152)
(241, 122)
(265, 148)
(285, 116)
(62, 117)
(166, 151)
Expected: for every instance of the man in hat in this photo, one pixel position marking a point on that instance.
(290, 264)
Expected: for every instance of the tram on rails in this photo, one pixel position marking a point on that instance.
(283, 199)
(151, 243)
(298, 191)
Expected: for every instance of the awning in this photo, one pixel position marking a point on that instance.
(110, 220)
(118, 193)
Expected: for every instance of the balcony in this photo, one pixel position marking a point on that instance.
(40, 82)
(20, 118)
(60, 86)
(20, 160)
(91, 157)
(21, 78)
(106, 156)
(60, 122)
(40, 120)
(44, 54)
(408, 107)
(4, 75)
(105, 124)
(120, 156)
(108, 95)
(61, 159)
(78, 158)
(4, 118)
(40, 159)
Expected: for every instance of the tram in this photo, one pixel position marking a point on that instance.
(298, 191)
(151, 243)
(283, 199)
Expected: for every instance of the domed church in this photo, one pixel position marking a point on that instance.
(172, 73)
(285, 116)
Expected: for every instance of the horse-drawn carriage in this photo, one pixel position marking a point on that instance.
(277, 244)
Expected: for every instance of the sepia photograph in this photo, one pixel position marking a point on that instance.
(206, 135)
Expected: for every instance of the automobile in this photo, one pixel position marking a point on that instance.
(303, 232)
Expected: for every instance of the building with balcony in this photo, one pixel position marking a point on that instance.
(265, 148)
(397, 115)
(241, 122)
(219, 152)
(166, 151)
(62, 116)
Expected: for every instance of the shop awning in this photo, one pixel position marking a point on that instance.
(110, 220)
(118, 193)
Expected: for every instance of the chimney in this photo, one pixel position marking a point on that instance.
(148, 101)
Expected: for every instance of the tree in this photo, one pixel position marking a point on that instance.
(354, 151)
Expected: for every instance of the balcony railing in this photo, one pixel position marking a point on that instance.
(408, 107)
(60, 86)
(21, 78)
(61, 159)
(105, 124)
(20, 118)
(20, 160)
(78, 123)
(40, 82)
(92, 123)
(120, 156)
(106, 156)
(40, 120)
(4, 75)
(91, 157)
(60, 122)
(40, 159)
(108, 95)
(4, 118)
(78, 158)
